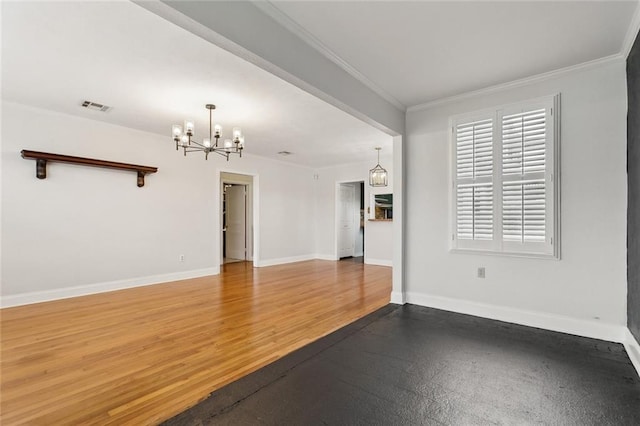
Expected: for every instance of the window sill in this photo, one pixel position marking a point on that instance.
(505, 254)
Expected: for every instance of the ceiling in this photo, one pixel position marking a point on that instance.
(154, 73)
(422, 51)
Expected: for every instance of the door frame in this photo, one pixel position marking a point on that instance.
(255, 213)
(336, 224)
(246, 229)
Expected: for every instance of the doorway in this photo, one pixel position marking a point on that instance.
(350, 221)
(237, 218)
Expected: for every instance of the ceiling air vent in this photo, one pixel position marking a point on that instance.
(95, 106)
(285, 153)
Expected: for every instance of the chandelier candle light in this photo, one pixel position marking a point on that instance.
(378, 175)
(182, 136)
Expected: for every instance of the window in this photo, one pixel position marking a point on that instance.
(383, 206)
(505, 179)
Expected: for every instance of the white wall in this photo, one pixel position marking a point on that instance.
(588, 284)
(378, 236)
(90, 226)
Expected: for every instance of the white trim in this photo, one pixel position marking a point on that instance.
(336, 231)
(503, 253)
(85, 290)
(283, 260)
(379, 262)
(255, 207)
(632, 32)
(632, 347)
(544, 320)
(253, 187)
(283, 19)
(397, 297)
(326, 257)
(518, 83)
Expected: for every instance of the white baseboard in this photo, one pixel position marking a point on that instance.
(85, 290)
(397, 297)
(379, 262)
(547, 321)
(326, 257)
(283, 260)
(632, 347)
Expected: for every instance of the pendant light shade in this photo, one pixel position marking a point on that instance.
(378, 176)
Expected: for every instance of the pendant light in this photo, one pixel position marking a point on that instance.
(378, 175)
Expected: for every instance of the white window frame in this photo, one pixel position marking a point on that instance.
(550, 249)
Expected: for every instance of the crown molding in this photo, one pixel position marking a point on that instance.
(284, 20)
(632, 32)
(519, 83)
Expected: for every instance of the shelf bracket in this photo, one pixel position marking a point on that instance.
(41, 168)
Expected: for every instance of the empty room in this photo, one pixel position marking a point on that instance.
(320, 212)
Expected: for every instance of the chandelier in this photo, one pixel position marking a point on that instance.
(378, 175)
(183, 137)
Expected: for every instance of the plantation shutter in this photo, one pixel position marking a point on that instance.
(475, 212)
(524, 142)
(523, 211)
(474, 149)
(505, 179)
(524, 145)
(474, 216)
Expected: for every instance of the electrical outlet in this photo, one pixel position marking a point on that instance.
(181, 258)
(481, 272)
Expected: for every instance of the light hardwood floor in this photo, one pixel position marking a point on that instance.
(142, 355)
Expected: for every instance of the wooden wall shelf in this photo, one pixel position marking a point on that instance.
(42, 158)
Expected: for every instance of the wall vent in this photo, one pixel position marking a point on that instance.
(96, 106)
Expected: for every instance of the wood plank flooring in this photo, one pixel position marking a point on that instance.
(140, 356)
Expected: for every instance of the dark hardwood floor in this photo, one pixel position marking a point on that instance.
(412, 365)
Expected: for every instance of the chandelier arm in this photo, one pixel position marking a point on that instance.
(199, 144)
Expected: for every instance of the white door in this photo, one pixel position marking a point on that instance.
(346, 221)
(236, 211)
